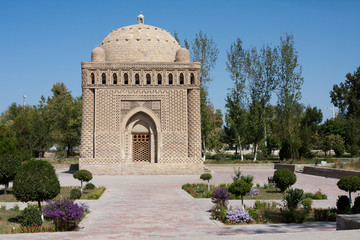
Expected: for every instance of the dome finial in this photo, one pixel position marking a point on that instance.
(140, 18)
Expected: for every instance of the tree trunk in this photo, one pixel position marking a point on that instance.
(68, 152)
(255, 152)
(350, 198)
(41, 213)
(242, 203)
(81, 185)
(208, 186)
(240, 147)
(236, 150)
(6, 187)
(204, 149)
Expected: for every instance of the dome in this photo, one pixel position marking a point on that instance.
(140, 43)
(98, 55)
(182, 55)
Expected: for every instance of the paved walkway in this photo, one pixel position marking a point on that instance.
(141, 207)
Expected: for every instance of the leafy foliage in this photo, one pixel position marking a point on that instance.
(31, 216)
(343, 204)
(89, 186)
(293, 198)
(83, 176)
(75, 194)
(36, 180)
(206, 176)
(349, 184)
(9, 159)
(284, 178)
(218, 212)
(356, 207)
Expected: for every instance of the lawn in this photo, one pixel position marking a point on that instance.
(267, 192)
(9, 219)
(64, 192)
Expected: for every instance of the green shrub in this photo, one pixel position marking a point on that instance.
(325, 214)
(249, 179)
(219, 213)
(284, 178)
(16, 208)
(205, 176)
(356, 207)
(83, 176)
(318, 195)
(240, 188)
(3, 207)
(307, 203)
(30, 216)
(89, 186)
(294, 216)
(349, 184)
(36, 180)
(97, 194)
(293, 198)
(75, 194)
(343, 204)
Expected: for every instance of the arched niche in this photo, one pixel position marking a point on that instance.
(141, 121)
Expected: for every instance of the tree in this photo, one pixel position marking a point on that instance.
(36, 180)
(349, 184)
(83, 176)
(346, 96)
(236, 117)
(284, 178)
(40, 139)
(309, 128)
(262, 69)
(206, 177)
(288, 91)
(9, 159)
(205, 51)
(63, 115)
(240, 188)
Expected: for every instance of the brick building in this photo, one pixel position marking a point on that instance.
(141, 105)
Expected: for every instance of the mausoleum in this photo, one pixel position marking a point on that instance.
(141, 105)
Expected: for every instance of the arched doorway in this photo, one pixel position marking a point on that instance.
(141, 138)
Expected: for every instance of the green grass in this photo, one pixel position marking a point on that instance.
(64, 192)
(200, 190)
(9, 219)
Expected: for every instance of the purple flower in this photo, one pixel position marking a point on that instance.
(220, 197)
(65, 213)
(239, 216)
(253, 192)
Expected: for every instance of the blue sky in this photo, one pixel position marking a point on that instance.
(43, 42)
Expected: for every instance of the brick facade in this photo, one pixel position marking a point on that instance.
(159, 99)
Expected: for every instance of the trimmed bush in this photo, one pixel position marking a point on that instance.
(36, 180)
(356, 207)
(219, 213)
(89, 186)
(75, 194)
(343, 204)
(206, 177)
(349, 184)
(30, 216)
(83, 176)
(284, 178)
(240, 188)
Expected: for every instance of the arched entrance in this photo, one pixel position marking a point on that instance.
(141, 137)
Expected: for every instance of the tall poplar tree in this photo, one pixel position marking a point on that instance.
(204, 50)
(288, 92)
(236, 116)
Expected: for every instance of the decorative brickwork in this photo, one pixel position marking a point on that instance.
(127, 94)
